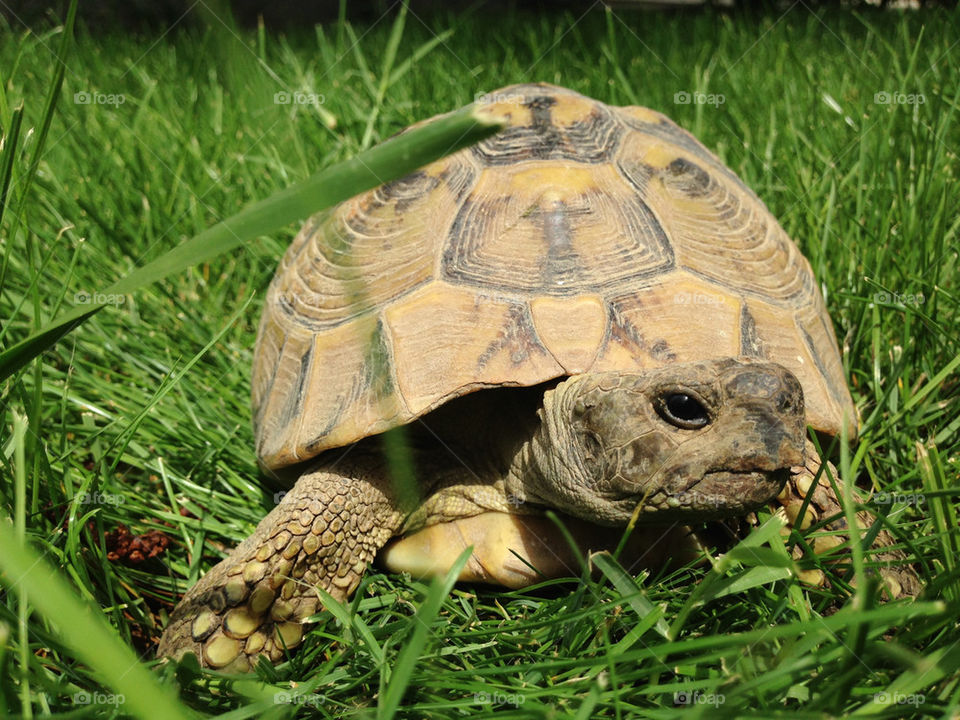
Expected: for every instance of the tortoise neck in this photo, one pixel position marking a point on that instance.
(547, 463)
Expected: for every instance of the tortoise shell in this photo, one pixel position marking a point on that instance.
(580, 238)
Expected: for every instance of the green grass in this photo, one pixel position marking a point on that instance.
(145, 408)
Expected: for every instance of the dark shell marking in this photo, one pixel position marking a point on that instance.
(478, 254)
(592, 140)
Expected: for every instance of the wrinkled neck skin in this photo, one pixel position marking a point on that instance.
(550, 468)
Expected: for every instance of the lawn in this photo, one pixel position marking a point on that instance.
(841, 121)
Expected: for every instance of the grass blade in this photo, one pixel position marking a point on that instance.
(83, 629)
(389, 57)
(648, 613)
(393, 159)
(907, 688)
(762, 566)
(943, 512)
(352, 623)
(53, 95)
(10, 143)
(402, 671)
(19, 525)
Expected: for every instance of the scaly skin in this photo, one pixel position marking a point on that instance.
(323, 533)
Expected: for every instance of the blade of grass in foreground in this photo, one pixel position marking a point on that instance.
(392, 159)
(7, 154)
(393, 689)
(83, 629)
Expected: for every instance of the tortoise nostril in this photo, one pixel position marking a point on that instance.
(789, 401)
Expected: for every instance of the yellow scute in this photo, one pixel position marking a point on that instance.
(562, 182)
(572, 329)
(447, 338)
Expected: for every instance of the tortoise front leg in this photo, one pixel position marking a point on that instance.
(255, 602)
(898, 575)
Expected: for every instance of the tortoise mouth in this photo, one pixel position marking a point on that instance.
(719, 494)
(733, 493)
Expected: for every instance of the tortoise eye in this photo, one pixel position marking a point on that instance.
(683, 411)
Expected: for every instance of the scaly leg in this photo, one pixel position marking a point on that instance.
(323, 533)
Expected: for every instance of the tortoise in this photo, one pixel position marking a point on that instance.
(587, 312)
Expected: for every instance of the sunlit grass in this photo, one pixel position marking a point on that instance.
(145, 409)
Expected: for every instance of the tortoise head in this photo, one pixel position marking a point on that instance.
(685, 442)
